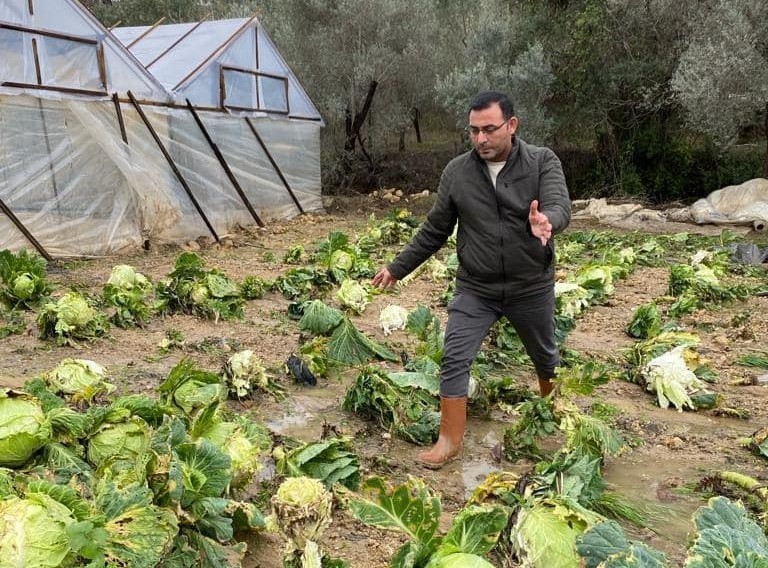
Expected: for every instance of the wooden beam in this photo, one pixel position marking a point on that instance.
(20, 226)
(54, 88)
(274, 164)
(145, 33)
(120, 119)
(175, 43)
(48, 33)
(225, 165)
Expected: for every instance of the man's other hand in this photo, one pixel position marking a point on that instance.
(384, 279)
(541, 228)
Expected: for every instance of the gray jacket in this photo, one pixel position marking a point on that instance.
(498, 256)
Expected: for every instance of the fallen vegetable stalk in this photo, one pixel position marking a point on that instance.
(746, 483)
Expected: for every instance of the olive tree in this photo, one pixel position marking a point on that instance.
(145, 12)
(722, 76)
(365, 63)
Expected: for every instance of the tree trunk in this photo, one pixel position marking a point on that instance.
(416, 126)
(353, 126)
(765, 125)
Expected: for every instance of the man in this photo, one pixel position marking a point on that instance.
(508, 198)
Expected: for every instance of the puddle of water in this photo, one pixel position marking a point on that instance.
(304, 414)
(659, 486)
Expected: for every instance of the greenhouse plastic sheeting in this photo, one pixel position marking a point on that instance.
(80, 190)
(61, 183)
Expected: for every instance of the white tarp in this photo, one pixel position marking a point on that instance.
(745, 204)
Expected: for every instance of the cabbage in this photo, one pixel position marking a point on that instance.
(244, 373)
(546, 531)
(71, 317)
(24, 286)
(244, 442)
(191, 389)
(74, 310)
(125, 440)
(342, 260)
(128, 292)
(33, 532)
(81, 378)
(125, 277)
(353, 295)
(393, 317)
(200, 294)
(670, 378)
(302, 508)
(23, 429)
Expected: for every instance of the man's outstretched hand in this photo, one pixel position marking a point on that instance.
(384, 279)
(541, 228)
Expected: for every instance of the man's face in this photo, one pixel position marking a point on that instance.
(491, 134)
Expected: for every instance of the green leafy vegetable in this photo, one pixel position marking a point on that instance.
(353, 295)
(604, 545)
(81, 379)
(349, 346)
(24, 279)
(319, 318)
(302, 509)
(330, 461)
(192, 289)
(410, 412)
(646, 322)
(23, 428)
(128, 292)
(70, 318)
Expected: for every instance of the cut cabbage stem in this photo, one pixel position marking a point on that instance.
(746, 483)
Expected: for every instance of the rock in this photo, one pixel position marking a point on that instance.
(399, 192)
(328, 201)
(191, 246)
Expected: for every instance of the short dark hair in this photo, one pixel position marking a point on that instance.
(484, 99)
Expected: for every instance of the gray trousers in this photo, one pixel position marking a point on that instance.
(469, 320)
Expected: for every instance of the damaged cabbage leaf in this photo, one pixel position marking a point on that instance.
(81, 379)
(330, 461)
(410, 412)
(349, 346)
(191, 289)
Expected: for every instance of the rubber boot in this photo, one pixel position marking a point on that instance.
(545, 387)
(453, 421)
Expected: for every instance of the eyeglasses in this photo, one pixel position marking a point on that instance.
(487, 130)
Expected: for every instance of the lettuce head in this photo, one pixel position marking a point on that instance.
(33, 532)
(23, 429)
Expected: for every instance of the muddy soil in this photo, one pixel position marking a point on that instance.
(670, 452)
